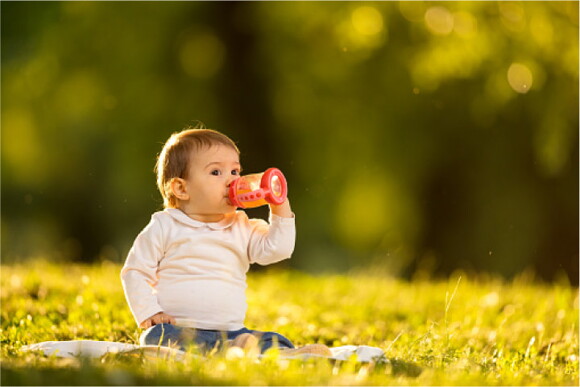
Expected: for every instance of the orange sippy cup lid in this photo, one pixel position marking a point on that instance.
(273, 189)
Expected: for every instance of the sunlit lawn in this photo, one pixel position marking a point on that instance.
(459, 331)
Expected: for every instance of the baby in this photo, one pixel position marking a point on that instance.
(185, 275)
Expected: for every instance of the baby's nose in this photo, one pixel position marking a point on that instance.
(231, 179)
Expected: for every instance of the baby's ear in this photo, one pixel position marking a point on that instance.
(179, 188)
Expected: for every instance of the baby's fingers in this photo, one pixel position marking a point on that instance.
(166, 319)
(163, 319)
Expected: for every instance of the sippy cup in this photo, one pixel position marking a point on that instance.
(258, 189)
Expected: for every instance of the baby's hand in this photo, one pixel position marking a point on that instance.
(283, 210)
(159, 318)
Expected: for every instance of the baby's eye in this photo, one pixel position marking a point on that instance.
(235, 172)
(216, 172)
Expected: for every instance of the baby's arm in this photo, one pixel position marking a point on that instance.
(283, 210)
(139, 275)
(270, 243)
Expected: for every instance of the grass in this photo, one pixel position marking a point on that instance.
(459, 331)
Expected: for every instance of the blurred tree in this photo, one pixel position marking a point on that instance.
(415, 135)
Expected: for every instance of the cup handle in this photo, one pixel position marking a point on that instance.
(266, 185)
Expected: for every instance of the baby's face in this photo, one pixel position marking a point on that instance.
(211, 170)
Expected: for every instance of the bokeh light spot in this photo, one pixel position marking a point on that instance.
(413, 11)
(464, 24)
(79, 95)
(202, 55)
(362, 212)
(367, 20)
(512, 15)
(542, 31)
(553, 144)
(374, 211)
(520, 78)
(439, 20)
(21, 148)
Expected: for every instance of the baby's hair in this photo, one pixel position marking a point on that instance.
(173, 161)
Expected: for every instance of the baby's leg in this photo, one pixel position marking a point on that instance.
(179, 337)
(166, 335)
(310, 349)
(247, 342)
(272, 339)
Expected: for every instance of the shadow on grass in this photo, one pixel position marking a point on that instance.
(128, 371)
(404, 368)
(86, 375)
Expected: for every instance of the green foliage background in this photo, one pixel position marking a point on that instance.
(414, 135)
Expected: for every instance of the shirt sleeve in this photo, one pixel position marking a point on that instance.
(270, 243)
(139, 274)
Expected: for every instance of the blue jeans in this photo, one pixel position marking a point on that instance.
(206, 340)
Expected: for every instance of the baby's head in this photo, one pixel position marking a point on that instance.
(176, 157)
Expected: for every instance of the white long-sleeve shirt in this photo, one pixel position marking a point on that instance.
(196, 271)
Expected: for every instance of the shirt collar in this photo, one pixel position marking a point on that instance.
(181, 217)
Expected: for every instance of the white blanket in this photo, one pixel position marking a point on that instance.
(92, 348)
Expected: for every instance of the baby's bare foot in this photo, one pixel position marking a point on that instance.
(311, 349)
(248, 343)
